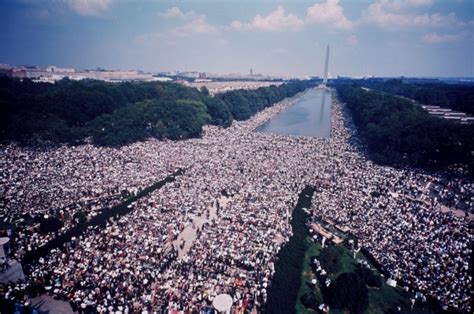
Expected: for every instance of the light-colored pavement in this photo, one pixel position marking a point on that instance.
(189, 233)
(13, 273)
(46, 303)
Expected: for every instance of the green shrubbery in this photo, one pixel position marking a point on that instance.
(368, 276)
(330, 258)
(348, 292)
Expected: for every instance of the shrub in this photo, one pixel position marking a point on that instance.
(330, 258)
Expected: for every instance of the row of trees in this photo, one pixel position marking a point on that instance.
(398, 132)
(245, 103)
(114, 114)
(455, 96)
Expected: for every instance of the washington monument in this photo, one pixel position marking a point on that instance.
(326, 66)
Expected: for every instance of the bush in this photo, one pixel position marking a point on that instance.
(330, 258)
(368, 276)
(310, 300)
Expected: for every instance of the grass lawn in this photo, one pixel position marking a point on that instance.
(381, 300)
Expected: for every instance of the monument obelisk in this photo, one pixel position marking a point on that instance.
(326, 68)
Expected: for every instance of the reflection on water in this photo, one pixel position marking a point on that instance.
(309, 116)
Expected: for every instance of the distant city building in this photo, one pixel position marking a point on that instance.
(54, 73)
(19, 74)
(56, 69)
(448, 114)
(162, 79)
(48, 79)
(13, 73)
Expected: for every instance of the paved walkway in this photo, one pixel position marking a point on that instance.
(457, 212)
(48, 304)
(12, 273)
(189, 233)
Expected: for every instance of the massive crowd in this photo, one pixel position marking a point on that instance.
(133, 264)
(395, 214)
(39, 182)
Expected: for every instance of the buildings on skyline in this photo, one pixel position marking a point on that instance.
(53, 73)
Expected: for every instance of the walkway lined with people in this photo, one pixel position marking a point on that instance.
(189, 234)
(173, 252)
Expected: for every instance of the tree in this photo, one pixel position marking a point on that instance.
(219, 112)
(368, 276)
(330, 258)
(80, 216)
(118, 114)
(204, 91)
(348, 292)
(310, 300)
(400, 133)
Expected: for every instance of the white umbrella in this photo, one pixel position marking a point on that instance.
(222, 303)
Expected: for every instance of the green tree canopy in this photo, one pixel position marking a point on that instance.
(398, 132)
(80, 216)
(311, 300)
(114, 114)
(368, 276)
(349, 292)
(330, 258)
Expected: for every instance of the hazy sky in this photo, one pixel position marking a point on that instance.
(367, 37)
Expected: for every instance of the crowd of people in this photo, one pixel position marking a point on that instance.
(133, 264)
(395, 214)
(43, 182)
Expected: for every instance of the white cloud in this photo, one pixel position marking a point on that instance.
(198, 25)
(89, 7)
(394, 14)
(330, 14)
(275, 21)
(175, 12)
(193, 24)
(436, 38)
